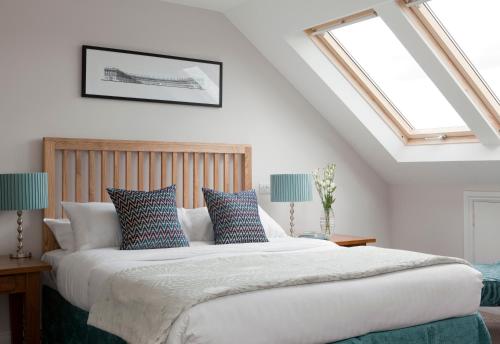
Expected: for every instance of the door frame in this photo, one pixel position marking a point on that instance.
(470, 199)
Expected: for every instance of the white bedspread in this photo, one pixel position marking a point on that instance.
(49, 278)
(315, 313)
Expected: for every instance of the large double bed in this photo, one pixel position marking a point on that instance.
(287, 290)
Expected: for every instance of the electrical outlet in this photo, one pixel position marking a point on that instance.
(264, 189)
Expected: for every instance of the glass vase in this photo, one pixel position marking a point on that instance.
(327, 222)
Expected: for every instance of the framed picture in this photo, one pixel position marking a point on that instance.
(131, 75)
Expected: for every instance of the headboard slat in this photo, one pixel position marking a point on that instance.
(78, 176)
(49, 166)
(247, 166)
(140, 171)
(196, 183)
(152, 170)
(116, 169)
(91, 175)
(64, 175)
(164, 170)
(104, 175)
(128, 170)
(236, 173)
(216, 172)
(185, 180)
(92, 181)
(174, 171)
(226, 172)
(206, 172)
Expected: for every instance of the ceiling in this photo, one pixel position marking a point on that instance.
(213, 5)
(275, 28)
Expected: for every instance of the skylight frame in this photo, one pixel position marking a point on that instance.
(442, 42)
(354, 73)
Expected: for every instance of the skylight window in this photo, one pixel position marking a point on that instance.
(463, 34)
(382, 57)
(474, 27)
(371, 57)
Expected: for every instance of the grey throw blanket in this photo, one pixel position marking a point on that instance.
(141, 304)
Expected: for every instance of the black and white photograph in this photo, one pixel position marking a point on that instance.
(129, 75)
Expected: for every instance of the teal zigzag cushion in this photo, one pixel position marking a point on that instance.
(148, 219)
(235, 217)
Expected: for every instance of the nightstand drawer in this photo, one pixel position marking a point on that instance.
(7, 284)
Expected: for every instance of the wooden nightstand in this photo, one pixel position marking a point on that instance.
(351, 240)
(20, 278)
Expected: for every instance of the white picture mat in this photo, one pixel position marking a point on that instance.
(98, 60)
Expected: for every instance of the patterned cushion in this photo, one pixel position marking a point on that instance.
(235, 217)
(148, 219)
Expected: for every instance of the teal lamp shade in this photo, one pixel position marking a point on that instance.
(291, 188)
(23, 191)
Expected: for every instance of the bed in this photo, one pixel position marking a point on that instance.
(426, 303)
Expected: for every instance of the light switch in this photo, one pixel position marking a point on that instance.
(264, 189)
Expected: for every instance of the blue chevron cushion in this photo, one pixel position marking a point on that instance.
(148, 219)
(235, 217)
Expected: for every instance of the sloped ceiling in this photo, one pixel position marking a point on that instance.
(276, 30)
(213, 5)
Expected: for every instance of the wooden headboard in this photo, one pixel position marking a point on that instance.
(80, 170)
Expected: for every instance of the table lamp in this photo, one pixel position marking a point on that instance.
(291, 188)
(23, 191)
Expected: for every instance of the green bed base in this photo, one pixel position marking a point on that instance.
(490, 294)
(64, 323)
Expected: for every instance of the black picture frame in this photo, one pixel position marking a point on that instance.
(85, 92)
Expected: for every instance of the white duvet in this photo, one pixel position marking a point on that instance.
(314, 313)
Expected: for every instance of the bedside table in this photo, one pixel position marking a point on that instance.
(351, 240)
(20, 278)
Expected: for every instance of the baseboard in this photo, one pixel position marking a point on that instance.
(491, 310)
(5, 337)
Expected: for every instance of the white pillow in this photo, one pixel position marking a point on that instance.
(271, 227)
(196, 224)
(95, 224)
(61, 228)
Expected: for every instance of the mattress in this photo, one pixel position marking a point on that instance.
(315, 313)
(53, 258)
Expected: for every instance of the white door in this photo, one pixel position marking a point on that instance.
(486, 231)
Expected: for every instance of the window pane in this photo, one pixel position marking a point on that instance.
(475, 26)
(386, 61)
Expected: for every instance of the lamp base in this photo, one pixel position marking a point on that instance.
(20, 255)
(292, 211)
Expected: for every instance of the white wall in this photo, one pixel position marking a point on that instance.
(430, 218)
(39, 96)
